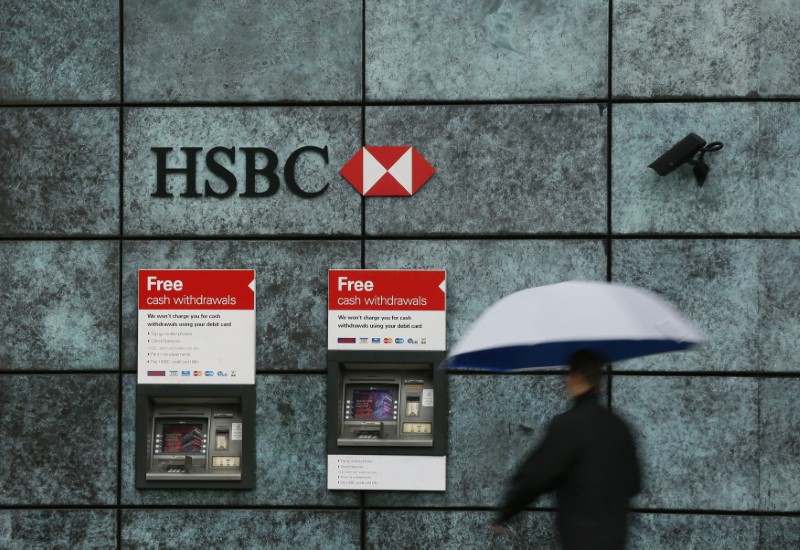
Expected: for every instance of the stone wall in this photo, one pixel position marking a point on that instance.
(540, 117)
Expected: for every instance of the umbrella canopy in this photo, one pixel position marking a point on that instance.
(543, 326)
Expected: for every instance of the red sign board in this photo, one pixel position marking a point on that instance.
(196, 289)
(397, 290)
(383, 309)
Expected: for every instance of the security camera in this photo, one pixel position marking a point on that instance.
(684, 152)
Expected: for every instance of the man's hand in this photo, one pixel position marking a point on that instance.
(500, 529)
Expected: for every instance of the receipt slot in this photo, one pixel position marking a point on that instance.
(198, 437)
(386, 403)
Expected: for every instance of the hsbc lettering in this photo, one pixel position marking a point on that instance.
(260, 172)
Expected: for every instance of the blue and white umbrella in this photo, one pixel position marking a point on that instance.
(543, 326)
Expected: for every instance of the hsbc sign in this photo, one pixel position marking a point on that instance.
(387, 171)
(372, 171)
(261, 179)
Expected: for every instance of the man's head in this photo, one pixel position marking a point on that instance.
(585, 372)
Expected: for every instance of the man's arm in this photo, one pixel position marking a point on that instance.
(540, 472)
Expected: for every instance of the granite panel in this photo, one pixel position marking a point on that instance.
(290, 464)
(780, 532)
(457, 529)
(714, 283)
(59, 305)
(243, 50)
(58, 529)
(753, 183)
(778, 164)
(59, 436)
(741, 293)
(420, 50)
(668, 531)
(731, 48)
(500, 169)
(59, 51)
(60, 171)
(512, 411)
(291, 291)
(697, 440)
(282, 130)
(644, 202)
(683, 48)
(779, 53)
(480, 272)
(779, 305)
(291, 427)
(779, 445)
(239, 529)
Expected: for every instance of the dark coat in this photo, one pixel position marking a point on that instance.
(588, 458)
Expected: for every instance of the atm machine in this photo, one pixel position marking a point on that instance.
(386, 402)
(387, 420)
(195, 437)
(387, 391)
(195, 392)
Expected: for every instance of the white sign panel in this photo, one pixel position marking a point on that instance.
(197, 326)
(387, 472)
(382, 309)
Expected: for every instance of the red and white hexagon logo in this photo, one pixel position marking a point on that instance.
(388, 171)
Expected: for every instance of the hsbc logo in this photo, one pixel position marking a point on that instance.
(387, 171)
(372, 171)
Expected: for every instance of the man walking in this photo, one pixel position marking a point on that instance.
(588, 458)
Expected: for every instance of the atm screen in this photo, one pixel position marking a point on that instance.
(373, 404)
(183, 438)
